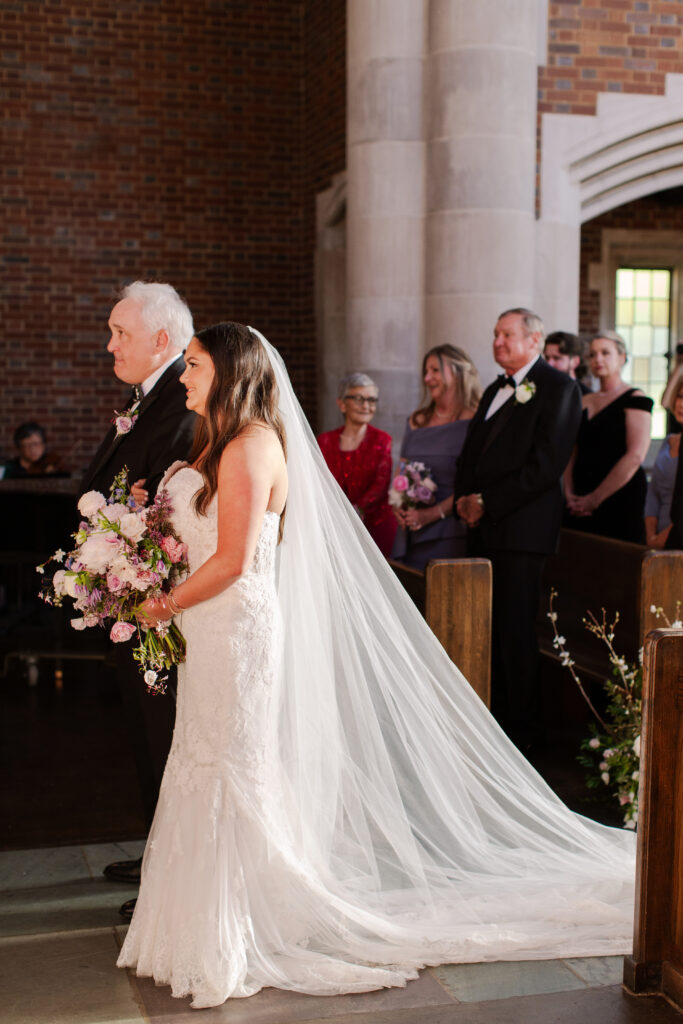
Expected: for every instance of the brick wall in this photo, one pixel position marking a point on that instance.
(599, 46)
(164, 140)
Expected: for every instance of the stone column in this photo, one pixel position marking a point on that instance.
(385, 200)
(481, 161)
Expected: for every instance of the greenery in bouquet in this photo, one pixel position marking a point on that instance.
(611, 754)
(124, 554)
(412, 486)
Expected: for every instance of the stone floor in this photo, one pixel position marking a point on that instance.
(60, 933)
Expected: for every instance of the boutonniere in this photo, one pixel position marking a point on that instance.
(125, 421)
(524, 392)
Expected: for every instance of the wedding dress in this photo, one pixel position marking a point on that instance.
(339, 808)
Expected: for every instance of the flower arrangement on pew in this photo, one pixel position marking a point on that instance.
(124, 554)
(412, 486)
(611, 755)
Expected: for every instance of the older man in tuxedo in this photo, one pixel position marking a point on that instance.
(150, 328)
(508, 492)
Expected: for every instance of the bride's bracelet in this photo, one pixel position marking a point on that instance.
(173, 604)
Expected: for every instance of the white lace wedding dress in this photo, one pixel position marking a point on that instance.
(338, 808)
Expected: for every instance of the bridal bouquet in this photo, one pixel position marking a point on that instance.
(123, 555)
(412, 486)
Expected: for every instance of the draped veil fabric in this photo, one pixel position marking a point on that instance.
(421, 811)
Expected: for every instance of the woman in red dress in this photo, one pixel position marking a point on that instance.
(359, 457)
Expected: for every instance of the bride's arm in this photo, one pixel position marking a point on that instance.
(247, 472)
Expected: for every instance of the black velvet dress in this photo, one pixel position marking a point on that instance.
(599, 446)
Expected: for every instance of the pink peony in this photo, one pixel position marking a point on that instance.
(401, 483)
(90, 503)
(114, 582)
(174, 549)
(121, 631)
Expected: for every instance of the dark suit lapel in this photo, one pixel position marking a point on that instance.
(502, 417)
(113, 440)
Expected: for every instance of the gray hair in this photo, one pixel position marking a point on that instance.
(355, 380)
(616, 339)
(162, 310)
(532, 321)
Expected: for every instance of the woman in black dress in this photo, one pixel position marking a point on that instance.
(604, 482)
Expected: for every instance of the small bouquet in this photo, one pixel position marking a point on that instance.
(412, 486)
(123, 555)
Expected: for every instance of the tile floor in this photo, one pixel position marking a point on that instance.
(60, 933)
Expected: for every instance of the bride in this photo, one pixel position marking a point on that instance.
(338, 807)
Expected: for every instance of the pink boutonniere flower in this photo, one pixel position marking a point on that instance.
(126, 420)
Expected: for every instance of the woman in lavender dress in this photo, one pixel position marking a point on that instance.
(434, 435)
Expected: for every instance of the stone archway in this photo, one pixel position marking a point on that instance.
(631, 148)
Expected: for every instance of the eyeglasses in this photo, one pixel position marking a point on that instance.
(361, 400)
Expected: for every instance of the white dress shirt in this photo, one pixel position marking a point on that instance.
(505, 393)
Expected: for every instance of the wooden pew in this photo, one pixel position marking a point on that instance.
(657, 961)
(591, 573)
(454, 595)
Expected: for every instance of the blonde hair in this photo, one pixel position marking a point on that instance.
(467, 384)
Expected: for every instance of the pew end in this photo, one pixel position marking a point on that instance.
(657, 961)
(454, 596)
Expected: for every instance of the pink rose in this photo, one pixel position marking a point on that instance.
(423, 494)
(114, 582)
(121, 631)
(124, 424)
(401, 483)
(174, 549)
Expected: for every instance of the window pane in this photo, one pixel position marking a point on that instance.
(643, 284)
(660, 283)
(641, 370)
(642, 311)
(658, 422)
(659, 373)
(660, 341)
(642, 340)
(624, 312)
(625, 285)
(660, 312)
(643, 316)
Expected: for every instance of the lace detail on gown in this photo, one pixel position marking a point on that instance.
(224, 906)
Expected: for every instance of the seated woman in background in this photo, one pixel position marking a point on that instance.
(33, 459)
(604, 482)
(435, 434)
(359, 457)
(660, 489)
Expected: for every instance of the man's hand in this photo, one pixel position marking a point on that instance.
(470, 509)
(139, 493)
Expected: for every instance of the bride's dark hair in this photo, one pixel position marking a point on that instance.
(243, 391)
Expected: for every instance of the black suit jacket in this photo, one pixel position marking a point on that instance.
(516, 459)
(163, 432)
(675, 538)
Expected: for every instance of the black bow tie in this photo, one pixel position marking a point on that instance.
(504, 381)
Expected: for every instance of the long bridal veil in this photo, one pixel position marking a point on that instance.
(432, 837)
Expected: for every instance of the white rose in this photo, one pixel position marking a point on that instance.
(78, 623)
(132, 526)
(58, 582)
(90, 503)
(594, 743)
(70, 584)
(150, 677)
(99, 550)
(605, 778)
(636, 746)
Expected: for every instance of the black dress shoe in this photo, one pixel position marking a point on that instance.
(124, 871)
(126, 909)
